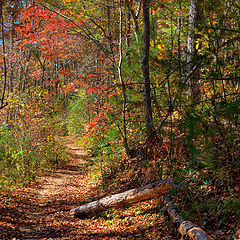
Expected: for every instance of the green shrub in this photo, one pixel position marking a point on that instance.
(29, 143)
(77, 114)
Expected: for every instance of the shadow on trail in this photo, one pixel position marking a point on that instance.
(42, 210)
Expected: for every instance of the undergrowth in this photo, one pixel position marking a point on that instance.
(200, 151)
(30, 141)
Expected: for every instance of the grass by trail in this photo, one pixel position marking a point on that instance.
(41, 210)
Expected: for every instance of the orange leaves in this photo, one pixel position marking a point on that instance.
(85, 81)
(37, 73)
(34, 12)
(71, 86)
(64, 72)
(50, 32)
(55, 80)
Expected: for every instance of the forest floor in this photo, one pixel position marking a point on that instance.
(42, 210)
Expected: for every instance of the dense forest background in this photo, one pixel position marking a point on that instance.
(149, 88)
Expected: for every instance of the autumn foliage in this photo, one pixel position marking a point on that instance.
(75, 68)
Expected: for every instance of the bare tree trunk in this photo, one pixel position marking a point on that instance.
(10, 70)
(192, 61)
(122, 83)
(4, 59)
(145, 69)
(179, 44)
(110, 37)
(134, 18)
(25, 72)
(127, 25)
(149, 191)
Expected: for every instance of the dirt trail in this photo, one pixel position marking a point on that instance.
(69, 179)
(41, 211)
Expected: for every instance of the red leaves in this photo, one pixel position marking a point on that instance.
(39, 26)
(85, 82)
(55, 80)
(65, 72)
(37, 74)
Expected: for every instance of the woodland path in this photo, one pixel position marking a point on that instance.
(41, 211)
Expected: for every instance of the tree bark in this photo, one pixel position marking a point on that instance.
(122, 82)
(145, 69)
(2, 105)
(192, 57)
(10, 70)
(185, 228)
(118, 200)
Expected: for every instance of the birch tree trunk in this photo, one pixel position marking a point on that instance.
(122, 82)
(192, 56)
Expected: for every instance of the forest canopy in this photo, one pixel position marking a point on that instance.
(149, 88)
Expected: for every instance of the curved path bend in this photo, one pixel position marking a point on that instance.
(41, 211)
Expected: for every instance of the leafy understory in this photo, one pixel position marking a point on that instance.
(149, 89)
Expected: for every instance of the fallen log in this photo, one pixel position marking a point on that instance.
(118, 200)
(185, 228)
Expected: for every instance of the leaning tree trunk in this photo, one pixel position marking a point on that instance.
(118, 200)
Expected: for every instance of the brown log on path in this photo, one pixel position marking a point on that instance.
(185, 228)
(118, 200)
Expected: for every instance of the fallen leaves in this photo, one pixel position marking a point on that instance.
(41, 210)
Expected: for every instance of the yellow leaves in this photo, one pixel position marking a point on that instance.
(161, 47)
(197, 45)
(57, 223)
(67, 1)
(162, 51)
(14, 101)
